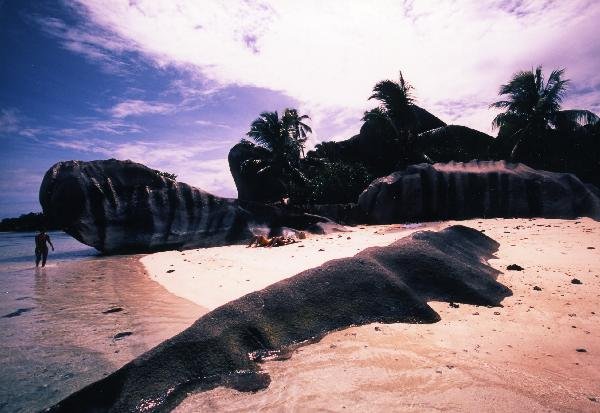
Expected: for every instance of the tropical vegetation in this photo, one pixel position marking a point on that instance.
(533, 128)
(533, 114)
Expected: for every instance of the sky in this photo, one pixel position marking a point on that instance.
(174, 84)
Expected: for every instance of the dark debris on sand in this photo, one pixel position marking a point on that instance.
(380, 284)
(18, 312)
(514, 267)
(113, 310)
(121, 335)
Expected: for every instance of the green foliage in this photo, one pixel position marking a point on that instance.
(332, 183)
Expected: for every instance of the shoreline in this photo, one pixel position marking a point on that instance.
(62, 325)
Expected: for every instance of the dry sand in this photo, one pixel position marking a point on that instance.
(520, 357)
(211, 277)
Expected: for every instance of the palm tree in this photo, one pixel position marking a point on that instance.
(397, 111)
(284, 139)
(296, 128)
(396, 104)
(533, 109)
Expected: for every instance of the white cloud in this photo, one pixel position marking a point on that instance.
(12, 121)
(331, 53)
(9, 120)
(136, 107)
(204, 122)
(99, 46)
(192, 163)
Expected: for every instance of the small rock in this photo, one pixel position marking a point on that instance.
(536, 288)
(454, 305)
(122, 335)
(377, 329)
(170, 271)
(575, 281)
(496, 312)
(581, 350)
(113, 310)
(321, 249)
(514, 267)
(593, 399)
(591, 248)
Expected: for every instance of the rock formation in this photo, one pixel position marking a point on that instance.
(250, 186)
(380, 284)
(476, 189)
(123, 206)
(454, 143)
(371, 148)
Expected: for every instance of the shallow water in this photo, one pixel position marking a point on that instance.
(59, 323)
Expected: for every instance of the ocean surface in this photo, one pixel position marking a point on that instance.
(75, 321)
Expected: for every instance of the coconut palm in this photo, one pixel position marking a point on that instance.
(533, 109)
(284, 139)
(396, 104)
(296, 128)
(397, 113)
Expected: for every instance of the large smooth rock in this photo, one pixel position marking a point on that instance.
(250, 185)
(380, 284)
(476, 189)
(454, 143)
(123, 206)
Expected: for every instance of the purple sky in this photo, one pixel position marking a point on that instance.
(174, 84)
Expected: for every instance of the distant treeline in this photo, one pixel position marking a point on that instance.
(27, 222)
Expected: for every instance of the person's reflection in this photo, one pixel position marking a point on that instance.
(40, 285)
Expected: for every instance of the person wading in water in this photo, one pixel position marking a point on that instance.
(41, 249)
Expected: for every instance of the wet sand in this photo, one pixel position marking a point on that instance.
(65, 339)
(523, 357)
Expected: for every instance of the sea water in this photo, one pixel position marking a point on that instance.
(17, 251)
(60, 324)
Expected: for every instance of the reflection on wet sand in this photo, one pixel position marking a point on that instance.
(65, 338)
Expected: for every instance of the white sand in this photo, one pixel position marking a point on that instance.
(521, 357)
(211, 277)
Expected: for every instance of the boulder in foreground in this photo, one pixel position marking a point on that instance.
(380, 284)
(484, 189)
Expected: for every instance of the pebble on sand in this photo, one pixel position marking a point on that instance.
(122, 335)
(112, 310)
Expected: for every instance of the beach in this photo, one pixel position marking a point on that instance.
(540, 352)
